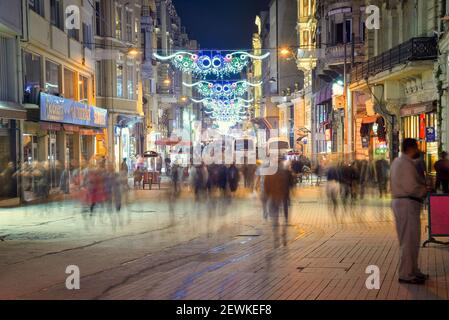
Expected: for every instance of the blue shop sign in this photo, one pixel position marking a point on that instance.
(57, 109)
(430, 134)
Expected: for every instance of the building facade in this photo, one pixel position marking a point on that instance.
(306, 62)
(340, 46)
(63, 127)
(394, 92)
(12, 113)
(118, 67)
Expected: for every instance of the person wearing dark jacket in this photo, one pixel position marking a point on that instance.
(442, 169)
(233, 178)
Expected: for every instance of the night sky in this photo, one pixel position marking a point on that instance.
(220, 24)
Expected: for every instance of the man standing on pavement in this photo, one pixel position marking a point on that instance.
(408, 190)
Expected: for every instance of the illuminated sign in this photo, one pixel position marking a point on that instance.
(57, 109)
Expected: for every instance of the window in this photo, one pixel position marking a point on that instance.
(305, 38)
(136, 29)
(98, 18)
(56, 14)
(32, 76)
(83, 89)
(348, 31)
(338, 33)
(129, 26)
(119, 80)
(52, 78)
(362, 29)
(87, 36)
(130, 84)
(37, 6)
(305, 10)
(118, 22)
(74, 34)
(69, 84)
(99, 77)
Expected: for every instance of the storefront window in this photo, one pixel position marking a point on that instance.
(83, 89)
(32, 75)
(52, 78)
(423, 128)
(69, 84)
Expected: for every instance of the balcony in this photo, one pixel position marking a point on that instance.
(416, 49)
(335, 55)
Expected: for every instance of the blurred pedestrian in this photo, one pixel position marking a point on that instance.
(277, 188)
(382, 171)
(409, 190)
(64, 181)
(233, 178)
(442, 169)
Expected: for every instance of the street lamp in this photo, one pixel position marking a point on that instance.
(133, 52)
(285, 52)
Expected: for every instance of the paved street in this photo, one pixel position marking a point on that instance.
(221, 249)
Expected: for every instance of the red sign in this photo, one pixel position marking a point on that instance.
(439, 215)
(422, 126)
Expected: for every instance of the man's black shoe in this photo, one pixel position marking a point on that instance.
(422, 276)
(413, 281)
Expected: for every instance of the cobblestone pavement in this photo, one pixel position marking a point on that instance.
(161, 248)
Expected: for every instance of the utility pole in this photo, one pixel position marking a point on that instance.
(277, 49)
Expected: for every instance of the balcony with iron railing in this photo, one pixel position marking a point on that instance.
(415, 49)
(335, 54)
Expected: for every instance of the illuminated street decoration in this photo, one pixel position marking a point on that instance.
(224, 103)
(216, 65)
(222, 89)
(228, 112)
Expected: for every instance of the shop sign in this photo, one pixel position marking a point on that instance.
(365, 142)
(57, 109)
(381, 148)
(430, 134)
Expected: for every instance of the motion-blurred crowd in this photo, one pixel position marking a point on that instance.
(97, 182)
(93, 183)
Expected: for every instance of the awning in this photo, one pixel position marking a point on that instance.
(12, 110)
(324, 94)
(418, 108)
(370, 119)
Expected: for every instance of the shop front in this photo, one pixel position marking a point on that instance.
(11, 116)
(81, 129)
(129, 140)
(60, 137)
(419, 121)
(322, 130)
(373, 138)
